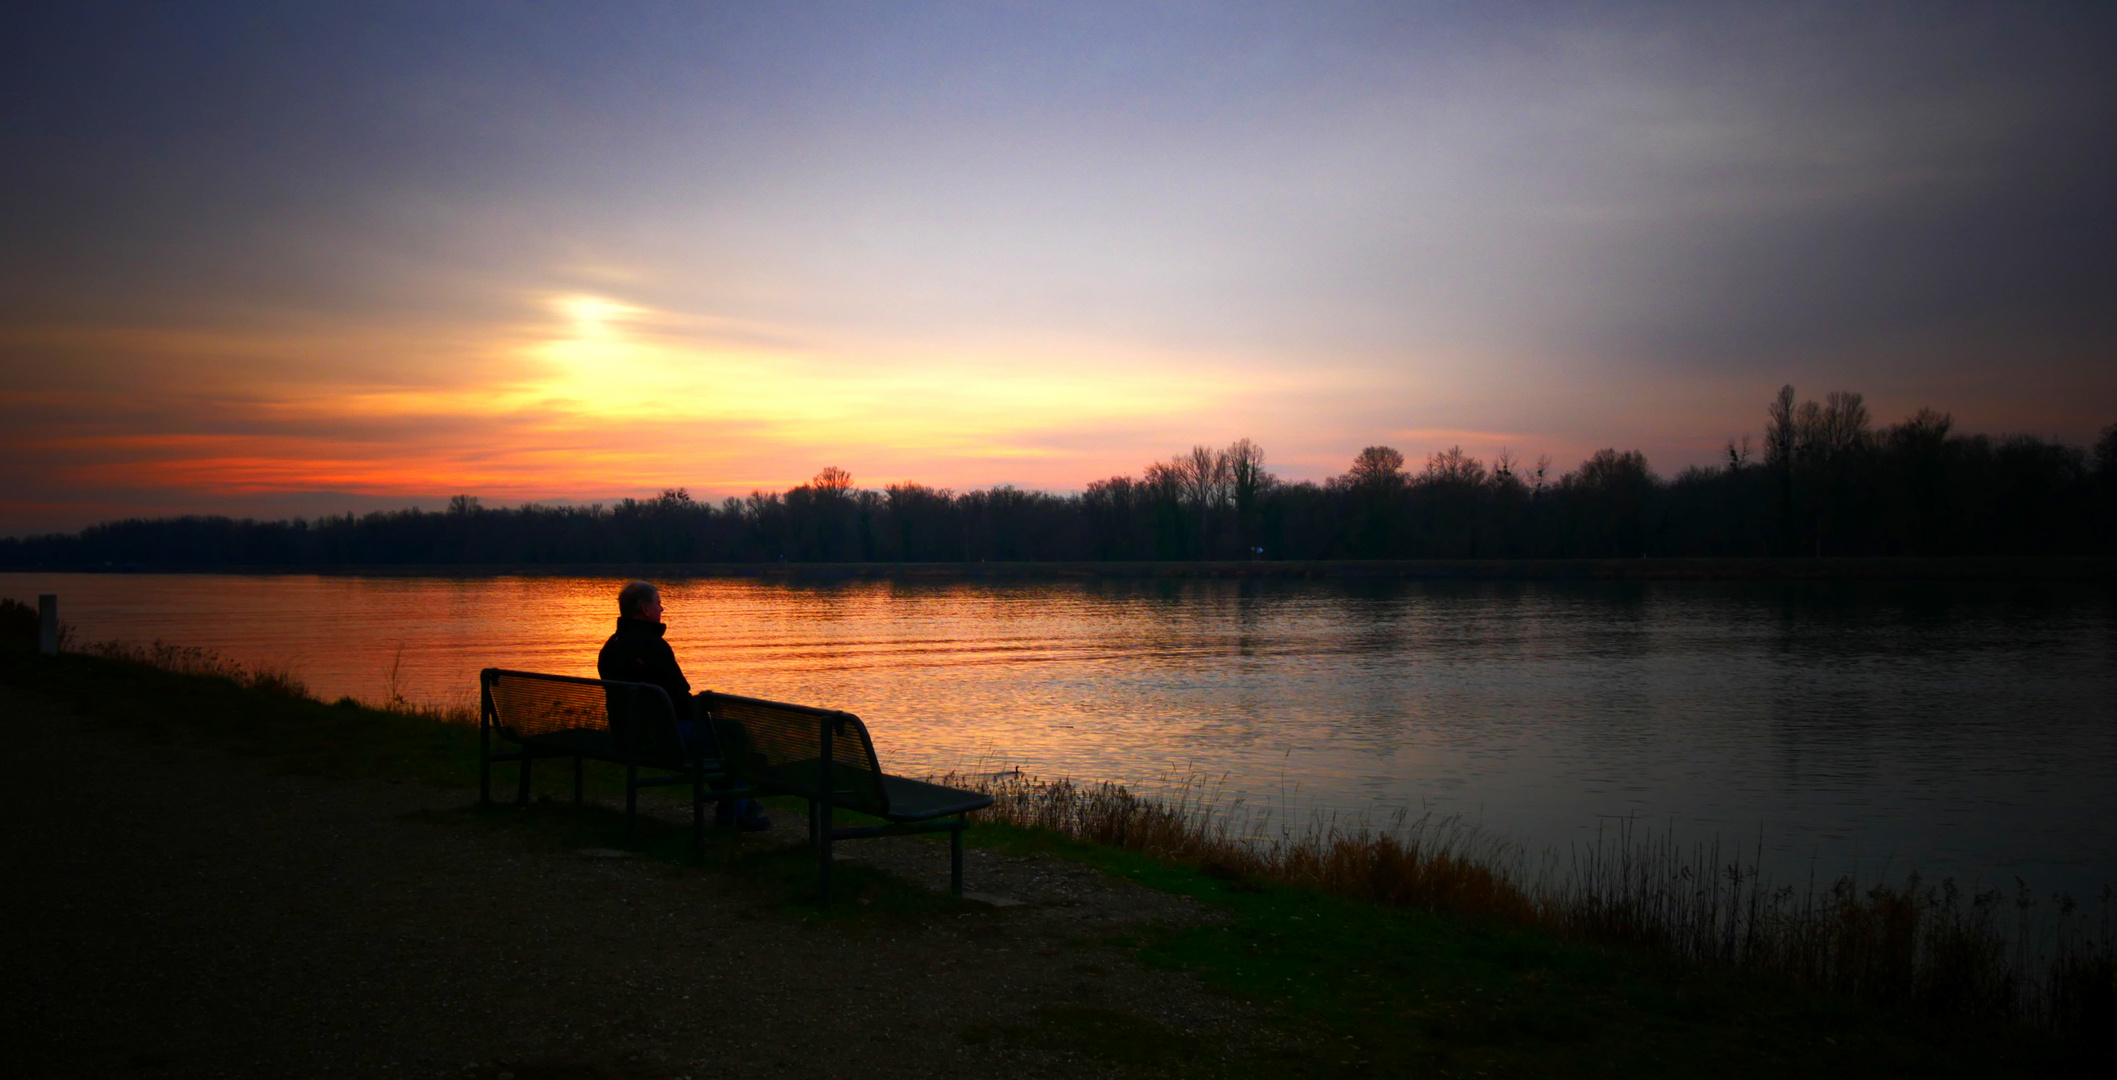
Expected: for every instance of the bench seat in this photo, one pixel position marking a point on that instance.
(740, 745)
(917, 800)
(825, 756)
(629, 724)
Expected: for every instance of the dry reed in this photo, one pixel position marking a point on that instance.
(1933, 949)
(276, 679)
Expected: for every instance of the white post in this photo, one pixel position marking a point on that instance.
(48, 624)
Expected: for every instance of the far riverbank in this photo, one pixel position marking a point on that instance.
(1983, 568)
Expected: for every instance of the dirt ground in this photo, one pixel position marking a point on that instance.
(175, 912)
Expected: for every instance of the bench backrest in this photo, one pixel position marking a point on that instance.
(818, 753)
(637, 718)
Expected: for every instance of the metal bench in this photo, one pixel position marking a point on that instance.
(629, 724)
(826, 757)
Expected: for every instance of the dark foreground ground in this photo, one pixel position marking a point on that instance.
(205, 879)
(174, 912)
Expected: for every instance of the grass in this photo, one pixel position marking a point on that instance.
(1404, 990)
(1405, 951)
(185, 696)
(198, 701)
(1926, 950)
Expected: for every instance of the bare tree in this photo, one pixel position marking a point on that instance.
(1813, 448)
(1833, 436)
(1926, 431)
(1737, 457)
(1166, 478)
(1781, 436)
(1507, 475)
(1377, 467)
(1205, 477)
(833, 482)
(1840, 426)
(1243, 462)
(1609, 492)
(1781, 433)
(1455, 469)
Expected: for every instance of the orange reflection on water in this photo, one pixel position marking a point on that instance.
(1851, 724)
(1054, 677)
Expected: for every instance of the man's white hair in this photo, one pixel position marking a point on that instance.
(632, 600)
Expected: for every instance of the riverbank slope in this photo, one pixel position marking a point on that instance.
(230, 881)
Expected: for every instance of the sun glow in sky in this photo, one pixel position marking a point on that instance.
(615, 363)
(261, 260)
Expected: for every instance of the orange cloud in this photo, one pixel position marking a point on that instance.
(589, 397)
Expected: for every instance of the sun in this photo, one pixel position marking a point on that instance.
(595, 316)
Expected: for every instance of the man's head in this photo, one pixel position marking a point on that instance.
(640, 600)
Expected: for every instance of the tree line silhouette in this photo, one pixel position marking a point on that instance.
(1828, 482)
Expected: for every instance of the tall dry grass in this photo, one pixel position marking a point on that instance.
(276, 679)
(19, 621)
(1936, 949)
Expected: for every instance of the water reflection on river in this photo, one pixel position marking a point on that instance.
(1967, 730)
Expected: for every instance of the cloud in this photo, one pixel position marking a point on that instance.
(403, 251)
(587, 396)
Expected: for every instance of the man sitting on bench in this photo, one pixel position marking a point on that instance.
(638, 653)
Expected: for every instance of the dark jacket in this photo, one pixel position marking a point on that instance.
(637, 653)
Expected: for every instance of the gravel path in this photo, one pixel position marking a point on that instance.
(176, 912)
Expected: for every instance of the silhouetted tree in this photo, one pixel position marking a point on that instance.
(1450, 502)
(1608, 496)
(1374, 487)
(1834, 444)
(1815, 452)
(2106, 474)
(1918, 452)
(1781, 437)
(1828, 482)
(1248, 482)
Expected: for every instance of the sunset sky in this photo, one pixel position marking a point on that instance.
(270, 259)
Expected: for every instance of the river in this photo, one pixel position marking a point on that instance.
(1960, 730)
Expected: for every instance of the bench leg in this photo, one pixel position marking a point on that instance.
(632, 798)
(576, 779)
(484, 766)
(825, 848)
(522, 785)
(955, 857)
(698, 816)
